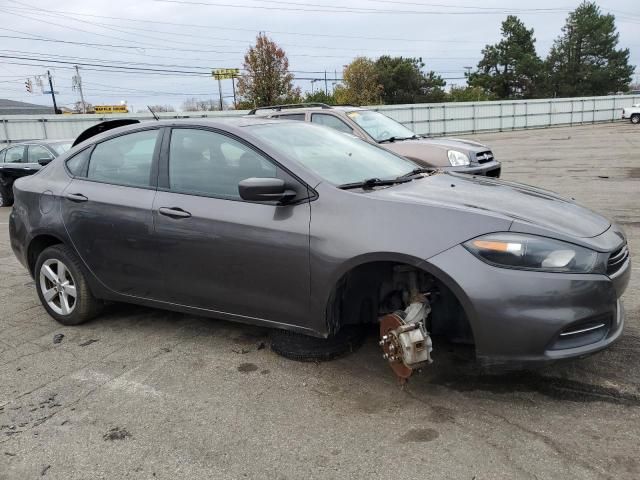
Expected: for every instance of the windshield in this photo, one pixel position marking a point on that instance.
(336, 157)
(378, 126)
(61, 147)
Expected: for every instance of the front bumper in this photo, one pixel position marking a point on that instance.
(524, 316)
(489, 169)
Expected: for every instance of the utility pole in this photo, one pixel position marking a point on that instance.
(233, 84)
(220, 91)
(77, 83)
(326, 87)
(53, 94)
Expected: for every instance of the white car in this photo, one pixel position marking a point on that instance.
(632, 113)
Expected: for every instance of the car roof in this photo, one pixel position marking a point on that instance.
(35, 142)
(93, 134)
(272, 111)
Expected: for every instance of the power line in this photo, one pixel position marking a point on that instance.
(251, 30)
(298, 7)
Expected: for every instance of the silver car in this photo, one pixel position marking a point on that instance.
(449, 154)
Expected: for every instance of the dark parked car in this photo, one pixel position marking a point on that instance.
(316, 233)
(24, 159)
(449, 154)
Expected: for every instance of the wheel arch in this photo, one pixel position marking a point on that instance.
(37, 245)
(371, 260)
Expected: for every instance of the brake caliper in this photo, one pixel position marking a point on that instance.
(404, 338)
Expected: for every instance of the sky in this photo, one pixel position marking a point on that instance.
(179, 42)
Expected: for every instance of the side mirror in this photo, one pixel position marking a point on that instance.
(264, 190)
(45, 161)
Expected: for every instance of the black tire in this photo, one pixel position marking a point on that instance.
(635, 118)
(85, 305)
(6, 195)
(303, 348)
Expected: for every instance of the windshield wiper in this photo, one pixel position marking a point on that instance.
(373, 182)
(417, 171)
(397, 139)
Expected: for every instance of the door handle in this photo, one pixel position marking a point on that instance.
(174, 212)
(76, 197)
(26, 168)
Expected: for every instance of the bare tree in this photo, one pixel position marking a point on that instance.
(158, 109)
(194, 104)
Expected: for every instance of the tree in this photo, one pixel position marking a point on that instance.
(468, 94)
(158, 109)
(584, 60)
(267, 80)
(319, 96)
(77, 107)
(403, 81)
(510, 68)
(361, 86)
(194, 104)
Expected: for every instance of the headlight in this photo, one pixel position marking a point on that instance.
(457, 159)
(528, 252)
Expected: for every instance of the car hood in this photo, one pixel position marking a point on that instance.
(523, 204)
(433, 151)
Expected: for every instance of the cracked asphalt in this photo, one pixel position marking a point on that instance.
(143, 393)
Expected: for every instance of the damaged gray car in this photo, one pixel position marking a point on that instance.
(318, 235)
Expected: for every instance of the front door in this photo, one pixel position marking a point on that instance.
(221, 253)
(107, 212)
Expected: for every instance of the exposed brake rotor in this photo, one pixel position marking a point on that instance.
(391, 346)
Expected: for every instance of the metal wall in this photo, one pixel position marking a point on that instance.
(425, 118)
(471, 117)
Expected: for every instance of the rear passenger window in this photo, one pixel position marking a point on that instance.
(207, 163)
(77, 164)
(291, 116)
(15, 155)
(124, 160)
(331, 122)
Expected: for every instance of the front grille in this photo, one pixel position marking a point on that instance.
(484, 157)
(617, 259)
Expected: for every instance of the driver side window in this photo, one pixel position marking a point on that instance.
(202, 162)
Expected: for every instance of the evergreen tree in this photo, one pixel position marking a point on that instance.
(510, 68)
(584, 60)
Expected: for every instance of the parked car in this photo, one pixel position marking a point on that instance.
(22, 159)
(632, 113)
(315, 233)
(450, 154)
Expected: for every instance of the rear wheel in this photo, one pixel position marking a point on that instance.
(635, 118)
(62, 286)
(304, 348)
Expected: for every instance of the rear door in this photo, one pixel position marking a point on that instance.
(107, 211)
(220, 252)
(15, 164)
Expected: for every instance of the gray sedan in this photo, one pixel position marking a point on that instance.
(317, 234)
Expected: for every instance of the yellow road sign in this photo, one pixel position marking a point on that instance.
(111, 109)
(225, 73)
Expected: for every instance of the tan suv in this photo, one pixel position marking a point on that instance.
(452, 154)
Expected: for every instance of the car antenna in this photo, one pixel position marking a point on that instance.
(153, 113)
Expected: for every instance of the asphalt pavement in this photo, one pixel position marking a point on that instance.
(146, 394)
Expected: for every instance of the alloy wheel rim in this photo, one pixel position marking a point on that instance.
(58, 287)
